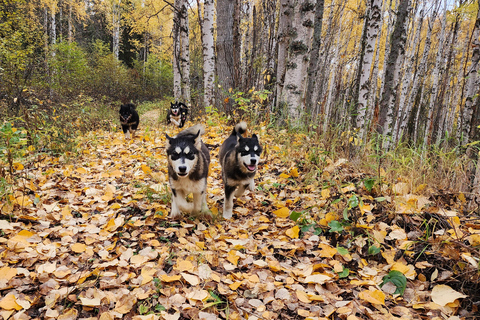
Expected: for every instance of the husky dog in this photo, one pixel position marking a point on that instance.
(129, 119)
(239, 158)
(177, 114)
(188, 161)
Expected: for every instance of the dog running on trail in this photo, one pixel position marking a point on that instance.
(239, 158)
(129, 119)
(188, 162)
(177, 114)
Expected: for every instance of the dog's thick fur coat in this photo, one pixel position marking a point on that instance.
(177, 114)
(238, 157)
(129, 119)
(188, 162)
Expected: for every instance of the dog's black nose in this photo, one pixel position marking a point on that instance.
(253, 161)
(182, 169)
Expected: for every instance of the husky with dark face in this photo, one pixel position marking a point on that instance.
(239, 158)
(188, 161)
(129, 119)
(177, 114)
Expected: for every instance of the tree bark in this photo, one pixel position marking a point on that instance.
(177, 70)
(372, 27)
(435, 77)
(284, 29)
(397, 46)
(295, 75)
(184, 52)
(471, 82)
(225, 51)
(208, 53)
(314, 53)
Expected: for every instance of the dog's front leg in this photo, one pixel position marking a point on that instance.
(251, 185)
(177, 123)
(228, 202)
(175, 213)
(240, 190)
(179, 204)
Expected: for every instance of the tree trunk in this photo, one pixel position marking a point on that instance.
(403, 112)
(177, 71)
(397, 46)
(208, 53)
(436, 77)
(184, 52)
(225, 51)
(116, 15)
(471, 82)
(284, 29)
(372, 26)
(295, 75)
(314, 52)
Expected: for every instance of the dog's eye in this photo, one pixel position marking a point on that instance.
(190, 156)
(175, 156)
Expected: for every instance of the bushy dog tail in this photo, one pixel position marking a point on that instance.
(192, 130)
(240, 128)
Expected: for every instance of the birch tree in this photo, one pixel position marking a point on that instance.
(408, 75)
(397, 46)
(184, 52)
(297, 61)
(177, 70)
(314, 53)
(208, 53)
(471, 83)
(372, 27)
(225, 49)
(436, 76)
(284, 29)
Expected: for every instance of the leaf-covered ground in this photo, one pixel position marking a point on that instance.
(89, 237)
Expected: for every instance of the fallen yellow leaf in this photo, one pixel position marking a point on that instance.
(293, 232)
(373, 296)
(283, 212)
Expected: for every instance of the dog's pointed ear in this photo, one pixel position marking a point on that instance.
(254, 136)
(198, 140)
(169, 139)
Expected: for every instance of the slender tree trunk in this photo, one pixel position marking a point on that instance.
(397, 46)
(295, 76)
(184, 53)
(407, 79)
(436, 77)
(418, 76)
(284, 28)
(225, 51)
(70, 31)
(471, 82)
(116, 15)
(177, 71)
(208, 53)
(372, 27)
(314, 52)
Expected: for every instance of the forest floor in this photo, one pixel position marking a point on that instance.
(89, 237)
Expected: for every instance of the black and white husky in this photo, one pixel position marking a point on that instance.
(188, 161)
(239, 158)
(129, 119)
(177, 114)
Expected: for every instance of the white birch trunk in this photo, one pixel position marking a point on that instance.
(116, 15)
(472, 83)
(284, 24)
(373, 25)
(403, 111)
(185, 53)
(208, 53)
(331, 89)
(295, 75)
(436, 76)
(387, 105)
(177, 75)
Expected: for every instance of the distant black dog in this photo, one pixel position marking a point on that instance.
(129, 119)
(177, 114)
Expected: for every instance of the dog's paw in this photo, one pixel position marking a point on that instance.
(227, 214)
(175, 215)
